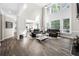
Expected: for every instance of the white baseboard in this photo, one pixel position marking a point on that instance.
(72, 35)
(6, 37)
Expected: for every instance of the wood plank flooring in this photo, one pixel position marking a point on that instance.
(32, 47)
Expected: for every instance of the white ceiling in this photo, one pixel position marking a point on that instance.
(32, 11)
(15, 8)
(10, 8)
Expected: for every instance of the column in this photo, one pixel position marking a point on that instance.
(20, 26)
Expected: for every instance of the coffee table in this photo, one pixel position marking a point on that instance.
(42, 37)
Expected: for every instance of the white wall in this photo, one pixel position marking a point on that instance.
(0, 27)
(71, 13)
(7, 32)
(57, 16)
(75, 21)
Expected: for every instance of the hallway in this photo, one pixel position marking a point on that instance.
(32, 47)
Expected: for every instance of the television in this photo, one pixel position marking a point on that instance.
(8, 24)
(77, 4)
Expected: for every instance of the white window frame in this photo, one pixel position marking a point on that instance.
(69, 28)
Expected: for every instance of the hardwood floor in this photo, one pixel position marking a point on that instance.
(32, 47)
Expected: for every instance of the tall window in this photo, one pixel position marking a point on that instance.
(55, 24)
(55, 8)
(59, 7)
(66, 25)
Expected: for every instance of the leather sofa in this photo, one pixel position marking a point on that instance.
(35, 31)
(53, 32)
